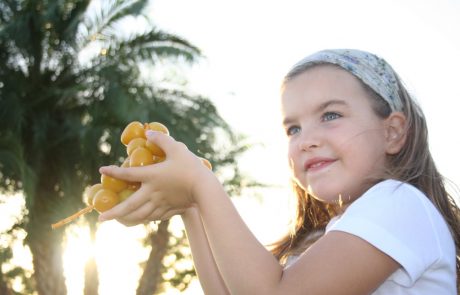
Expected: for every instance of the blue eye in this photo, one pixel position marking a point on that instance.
(292, 130)
(329, 116)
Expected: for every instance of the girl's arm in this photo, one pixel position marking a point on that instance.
(338, 263)
(205, 266)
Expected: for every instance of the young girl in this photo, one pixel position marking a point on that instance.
(373, 214)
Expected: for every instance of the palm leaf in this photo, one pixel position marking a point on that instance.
(100, 23)
(156, 43)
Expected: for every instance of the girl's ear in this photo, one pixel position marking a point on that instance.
(395, 132)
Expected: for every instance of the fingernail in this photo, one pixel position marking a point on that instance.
(149, 133)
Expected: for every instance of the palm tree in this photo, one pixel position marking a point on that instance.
(69, 82)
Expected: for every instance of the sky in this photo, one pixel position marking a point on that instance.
(248, 46)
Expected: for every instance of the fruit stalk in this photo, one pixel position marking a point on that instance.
(72, 217)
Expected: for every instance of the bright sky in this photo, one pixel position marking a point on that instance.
(249, 45)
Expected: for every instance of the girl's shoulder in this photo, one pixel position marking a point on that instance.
(393, 186)
(398, 206)
(402, 222)
(395, 193)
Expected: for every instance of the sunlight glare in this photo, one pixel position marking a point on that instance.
(118, 252)
(77, 249)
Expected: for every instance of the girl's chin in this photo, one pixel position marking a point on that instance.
(328, 196)
(333, 200)
(324, 192)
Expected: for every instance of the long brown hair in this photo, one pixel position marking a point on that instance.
(413, 164)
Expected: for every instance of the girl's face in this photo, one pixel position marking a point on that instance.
(336, 141)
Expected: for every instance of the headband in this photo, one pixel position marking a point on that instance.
(372, 70)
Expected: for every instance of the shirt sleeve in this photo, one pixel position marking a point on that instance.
(395, 218)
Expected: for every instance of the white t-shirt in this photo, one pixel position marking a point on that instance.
(399, 220)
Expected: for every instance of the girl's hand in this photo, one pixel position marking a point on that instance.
(167, 188)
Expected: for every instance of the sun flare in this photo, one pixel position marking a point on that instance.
(118, 251)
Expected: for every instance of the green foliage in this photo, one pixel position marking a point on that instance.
(57, 113)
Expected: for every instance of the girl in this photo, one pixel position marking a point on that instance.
(373, 214)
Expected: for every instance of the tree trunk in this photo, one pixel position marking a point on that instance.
(46, 248)
(4, 289)
(91, 277)
(151, 277)
(91, 273)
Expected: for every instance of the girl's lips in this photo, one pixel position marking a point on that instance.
(316, 164)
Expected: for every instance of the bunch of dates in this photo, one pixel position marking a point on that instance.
(140, 152)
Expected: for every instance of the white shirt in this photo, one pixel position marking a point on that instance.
(401, 221)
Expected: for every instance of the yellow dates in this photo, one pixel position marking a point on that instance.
(140, 152)
(90, 192)
(134, 144)
(133, 130)
(156, 126)
(141, 156)
(105, 199)
(113, 184)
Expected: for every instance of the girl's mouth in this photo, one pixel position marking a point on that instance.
(317, 164)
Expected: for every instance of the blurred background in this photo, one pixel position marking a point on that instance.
(73, 74)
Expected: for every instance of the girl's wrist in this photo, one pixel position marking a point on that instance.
(207, 189)
(191, 216)
(203, 181)
(190, 212)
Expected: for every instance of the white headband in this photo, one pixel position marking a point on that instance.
(372, 70)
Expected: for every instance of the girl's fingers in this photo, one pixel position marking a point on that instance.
(139, 215)
(128, 224)
(129, 205)
(167, 215)
(164, 213)
(158, 212)
(133, 174)
(136, 217)
(165, 142)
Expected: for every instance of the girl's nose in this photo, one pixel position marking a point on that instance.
(309, 140)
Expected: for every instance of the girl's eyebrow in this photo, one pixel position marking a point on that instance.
(328, 103)
(320, 108)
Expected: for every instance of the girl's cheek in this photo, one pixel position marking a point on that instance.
(294, 166)
(291, 156)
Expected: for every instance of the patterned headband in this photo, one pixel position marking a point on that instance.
(369, 68)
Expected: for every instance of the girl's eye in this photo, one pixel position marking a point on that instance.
(329, 116)
(292, 130)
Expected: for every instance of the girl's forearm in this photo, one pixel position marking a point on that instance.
(210, 279)
(245, 264)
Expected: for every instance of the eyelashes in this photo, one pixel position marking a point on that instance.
(329, 116)
(292, 130)
(325, 117)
